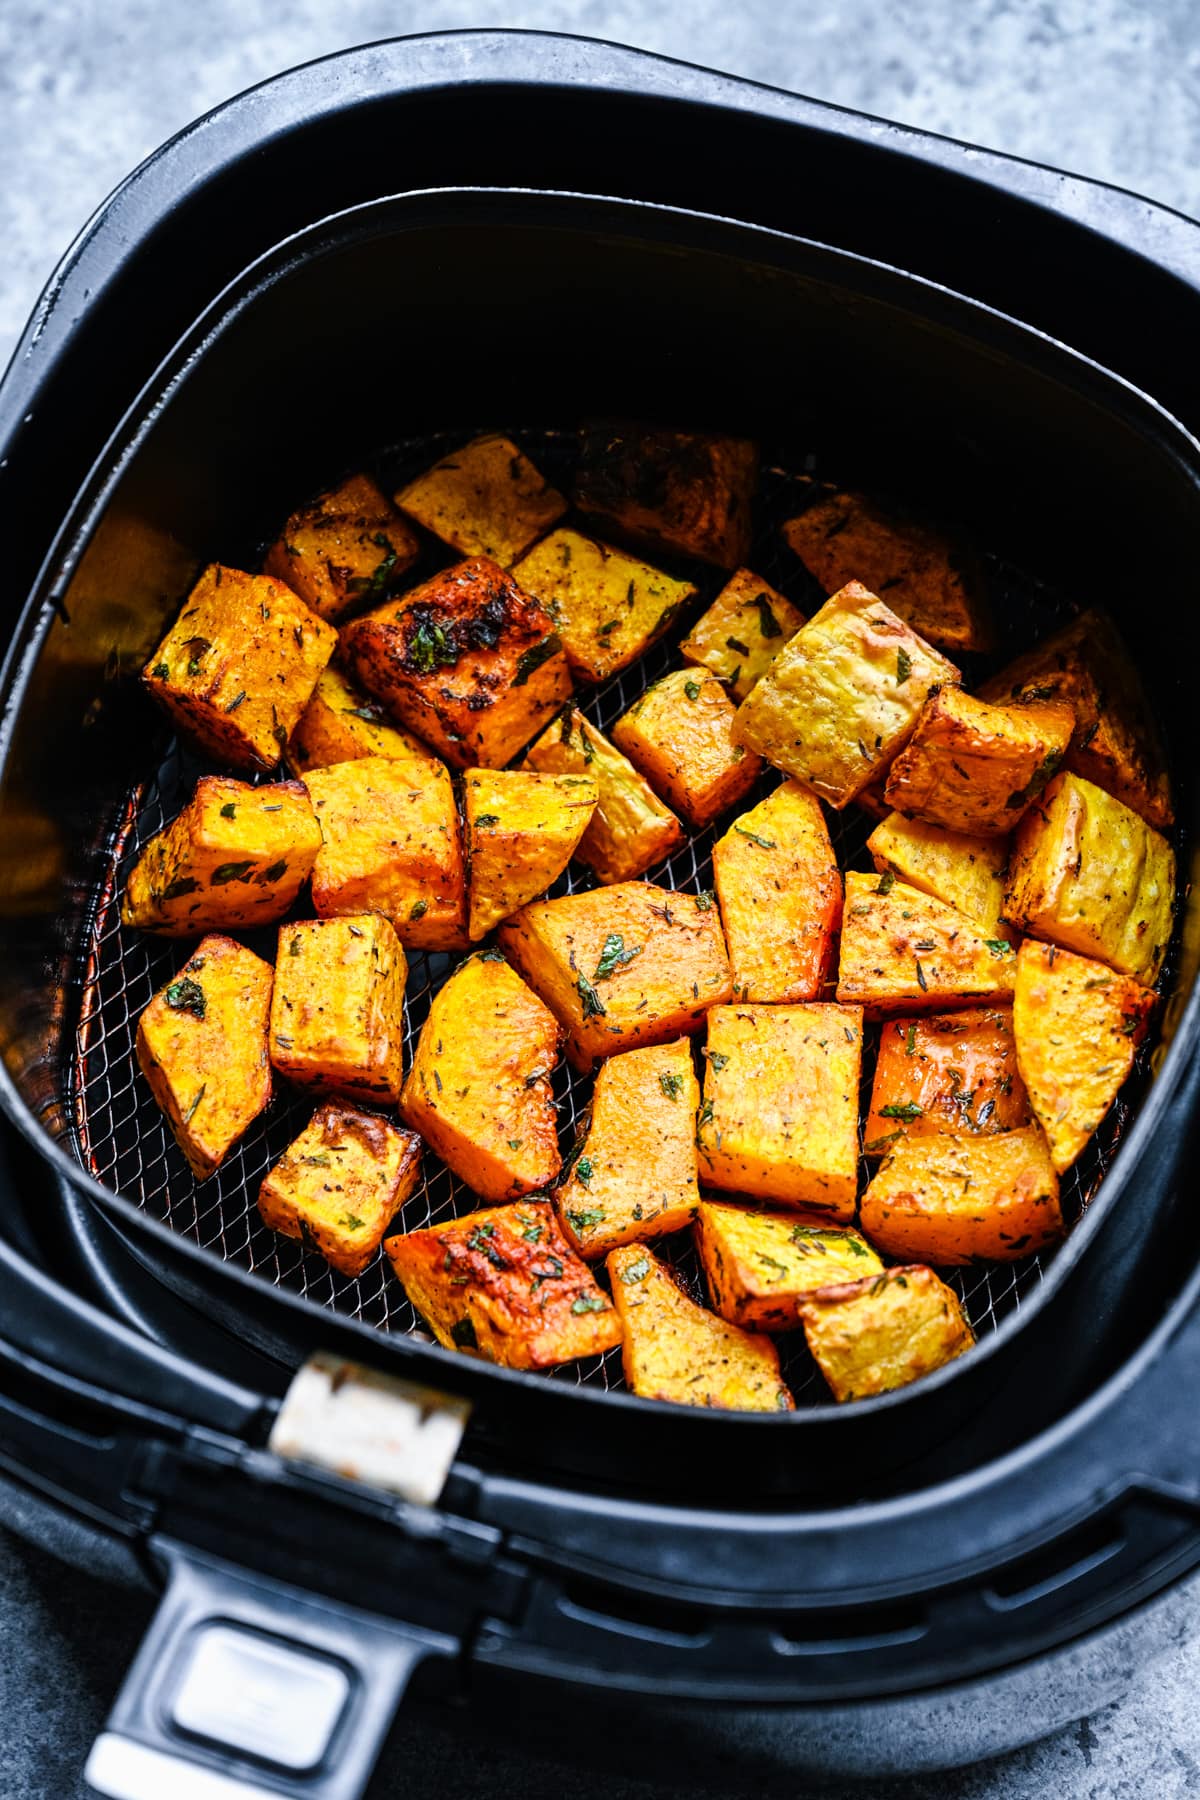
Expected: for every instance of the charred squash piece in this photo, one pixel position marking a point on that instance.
(340, 1184)
(684, 491)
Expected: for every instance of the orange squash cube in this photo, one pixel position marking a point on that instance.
(966, 872)
(757, 1265)
(631, 829)
(337, 1012)
(742, 632)
(954, 1198)
(902, 951)
(884, 1331)
(781, 897)
(608, 606)
(340, 1184)
(347, 546)
(950, 1072)
(521, 831)
(486, 499)
(973, 766)
(341, 723)
(678, 735)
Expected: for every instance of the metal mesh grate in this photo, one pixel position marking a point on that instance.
(123, 1140)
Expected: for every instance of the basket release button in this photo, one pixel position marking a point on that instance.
(251, 1693)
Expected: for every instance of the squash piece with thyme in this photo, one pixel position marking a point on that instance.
(904, 952)
(239, 665)
(757, 1264)
(956, 1198)
(341, 723)
(486, 499)
(678, 735)
(202, 1046)
(974, 766)
(521, 832)
(631, 829)
(884, 1331)
(689, 492)
(341, 1183)
(950, 1072)
(505, 1285)
(781, 897)
(635, 1176)
(236, 856)
(742, 632)
(337, 1013)
(347, 547)
(966, 872)
(608, 606)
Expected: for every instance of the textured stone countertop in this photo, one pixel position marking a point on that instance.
(1109, 88)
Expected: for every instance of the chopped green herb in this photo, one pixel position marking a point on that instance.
(768, 624)
(462, 1333)
(908, 1110)
(584, 1171)
(161, 672)
(584, 1220)
(593, 1006)
(718, 1059)
(371, 714)
(586, 1303)
(200, 1093)
(762, 842)
(419, 909)
(636, 1271)
(316, 1162)
(486, 819)
(921, 981)
(295, 947)
(704, 901)
(234, 871)
(229, 810)
(910, 1040)
(671, 1085)
(614, 956)
(903, 667)
(236, 701)
(352, 1222)
(376, 582)
(535, 657)
(887, 882)
(737, 644)
(999, 946)
(274, 872)
(692, 689)
(175, 890)
(186, 995)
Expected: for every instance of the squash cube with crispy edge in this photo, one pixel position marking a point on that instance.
(635, 1176)
(780, 1114)
(236, 856)
(958, 1199)
(966, 872)
(903, 951)
(341, 723)
(239, 665)
(1088, 873)
(928, 580)
(340, 1184)
(781, 897)
(673, 1349)
(843, 695)
(348, 546)
(952, 1072)
(1077, 1025)
(479, 1087)
(486, 499)
(466, 660)
(608, 606)
(505, 1284)
(1117, 744)
(337, 1013)
(684, 491)
(678, 735)
(631, 829)
(758, 1264)
(391, 846)
(622, 966)
(884, 1331)
(521, 832)
(742, 632)
(974, 767)
(202, 1046)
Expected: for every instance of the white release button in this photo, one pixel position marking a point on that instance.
(259, 1696)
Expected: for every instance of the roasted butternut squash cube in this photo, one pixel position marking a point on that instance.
(678, 735)
(635, 1176)
(683, 491)
(1088, 873)
(521, 832)
(504, 1284)
(966, 872)
(466, 660)
(758, 1264)
(673, 1349)
(235, 856)
(975, 767)
(202, 1046)
(1117, 744)
(486, 499)
(391, 845)
(1077, 1025)
(781, 897)
(622, 966)
(884, 1331)
(959, 1198)
(608, 606)
(928, 579)
(337, 1012)
(780, 1114)
(341, 723)
(742, 632)
(239, 665)
(349, 545)
(902, 951)
(479, 1087)
(951, 1072)
(631, 829)
(842, 696)
(340, 1184)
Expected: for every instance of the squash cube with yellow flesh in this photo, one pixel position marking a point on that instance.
(623, 966)
(684, 491)
(956, 1198)
(842, 696)
(486, 499)
(521, 832)
(236, 856)
(966, 872)
(1088, 873)
(758, 1264)
(635, 1176)
(781, 897)
(337, 1013)
(952, 1072)
(348, 546)
(341, 1183)
(504, 1284)
(884, 1331)
(608, 606)
(678, 735)
(341, 723)
(780, 1114)
(903, 951)
(202, 1046)
(742, 632)
(631, 829)
(479, 1087)
(974, 767)
(467, 661)
(239, 665)
(1078, 1025)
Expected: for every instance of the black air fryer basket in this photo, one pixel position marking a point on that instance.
(373, 258)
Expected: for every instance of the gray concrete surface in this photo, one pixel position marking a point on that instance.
(1109, 88)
